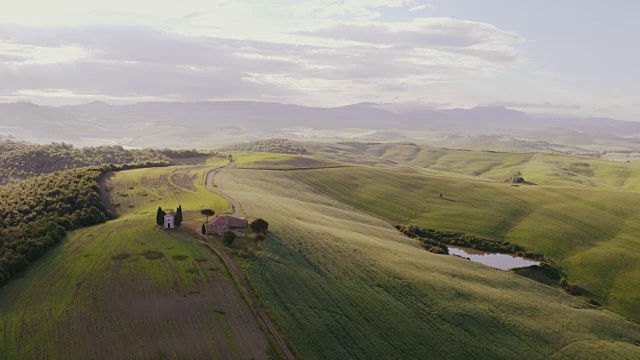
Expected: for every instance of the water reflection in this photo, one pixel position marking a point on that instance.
(498, 261)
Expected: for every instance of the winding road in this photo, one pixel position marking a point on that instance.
(241, 280)
(209, 182)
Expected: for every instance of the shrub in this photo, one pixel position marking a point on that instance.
(571, 289)
(259, 226)
(228, 237)
(430, 238)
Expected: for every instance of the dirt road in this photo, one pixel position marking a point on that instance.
(209, 182)
(239, 276)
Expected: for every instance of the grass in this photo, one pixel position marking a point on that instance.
(541, 169)
(213, 161)
(554, 170)
(259, 160)
(489, 165)
(338, 279)
(344, 284)
(590, 232)
(126, 289)
(144, 190)
(436, 161)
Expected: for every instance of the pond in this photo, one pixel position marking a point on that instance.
(495, 260)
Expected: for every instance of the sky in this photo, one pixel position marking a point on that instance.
(552, 57)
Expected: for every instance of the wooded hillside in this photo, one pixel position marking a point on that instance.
(279, 146)
(36, 213)
(21, 161)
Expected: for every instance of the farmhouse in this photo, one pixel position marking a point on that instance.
(220, 224)
(169, 220)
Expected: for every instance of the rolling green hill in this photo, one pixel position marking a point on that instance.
(343, 284)
(435, 161)
(266, 161)
(557, 170)
(147, 189)
(538, 168)
(334, 274)
(125, 289)
(590, 232)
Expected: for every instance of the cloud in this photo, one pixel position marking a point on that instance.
(543, 105)
(12, 58)
(125, 61)
(351, 8)
(133, 79)
(546, 74)
(422, 7)
(129, 61)
(456, 36)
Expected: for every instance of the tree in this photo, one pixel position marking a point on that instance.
(204, 229)
(207, 213)
(259, 225)
(261, 237)
(228, 237)
(160, 216)
(178, 218)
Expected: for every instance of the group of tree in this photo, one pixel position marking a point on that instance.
(36, 213)
(516, 179)
(260, 227)
(280, 146)
(181, 154)
(20, 161)
(434, 238)
(437, 241)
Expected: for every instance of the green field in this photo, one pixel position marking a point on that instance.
(126, 289)
(257, 160)
(434, 161)
(147, 189)
(582, 172)
(337, 278)
(590, 232)
(343, 284)
(541, 169)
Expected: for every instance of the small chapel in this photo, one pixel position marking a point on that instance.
(170, 220)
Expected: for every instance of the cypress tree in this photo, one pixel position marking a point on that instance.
(160, 216)
(178, 219)
(204, 229)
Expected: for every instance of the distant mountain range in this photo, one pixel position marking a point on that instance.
(97, 120)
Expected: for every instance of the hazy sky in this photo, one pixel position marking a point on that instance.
(568, 56)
